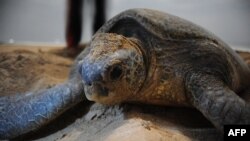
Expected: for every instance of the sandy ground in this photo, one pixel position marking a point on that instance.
(25, 69)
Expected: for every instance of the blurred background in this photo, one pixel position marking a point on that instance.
(43, 21)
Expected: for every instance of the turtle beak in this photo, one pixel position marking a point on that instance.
(93, 80)
(95, 92)
(91, 74)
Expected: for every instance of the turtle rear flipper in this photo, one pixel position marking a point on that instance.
(216, 101)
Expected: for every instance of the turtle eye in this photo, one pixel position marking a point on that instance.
(115, 73)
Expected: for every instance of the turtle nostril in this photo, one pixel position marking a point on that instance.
(88, 83)
(115, 73)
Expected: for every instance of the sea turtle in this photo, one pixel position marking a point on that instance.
(142, 56)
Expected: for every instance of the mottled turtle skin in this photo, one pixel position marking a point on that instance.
(142, 56)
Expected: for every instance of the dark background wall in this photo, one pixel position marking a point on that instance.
(43, 21)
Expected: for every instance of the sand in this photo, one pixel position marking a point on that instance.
(26, 68)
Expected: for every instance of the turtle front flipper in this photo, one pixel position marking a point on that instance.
(216, 101)
(22, 114)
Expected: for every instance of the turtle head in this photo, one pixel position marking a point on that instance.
(113, 70)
